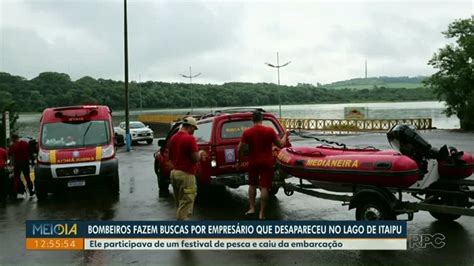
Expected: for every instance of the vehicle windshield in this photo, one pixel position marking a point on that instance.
(73, 135)
(137, 125)
(203, 134)
(234, 129)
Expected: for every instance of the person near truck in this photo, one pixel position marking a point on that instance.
(184, 154)
(20, 154)
(257, 142)
(3, 175)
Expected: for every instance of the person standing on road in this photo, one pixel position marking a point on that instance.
(20, 153)
(184, 154)
(3, 175)
(257, 142)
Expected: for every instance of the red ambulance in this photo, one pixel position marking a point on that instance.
(76, 149)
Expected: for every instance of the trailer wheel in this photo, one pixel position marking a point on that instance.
(373, 209)
(457, 201)
(445, 217)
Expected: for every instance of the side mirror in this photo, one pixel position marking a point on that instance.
(161, 142)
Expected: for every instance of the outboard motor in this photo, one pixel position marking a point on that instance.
(407, 141)
(451, 162)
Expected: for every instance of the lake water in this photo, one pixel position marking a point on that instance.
(28, 123)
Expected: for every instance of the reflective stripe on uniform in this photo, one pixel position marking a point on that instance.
(98, 153)
(189, 190)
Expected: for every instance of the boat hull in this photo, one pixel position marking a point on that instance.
(386, 168)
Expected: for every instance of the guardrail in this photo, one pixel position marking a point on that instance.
(352, 124)
(343, 125)
(159, 118)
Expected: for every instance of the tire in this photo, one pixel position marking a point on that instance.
(447, 201)
(444, 217)
(41, 192)
(149, 141)
(115, 184)
(162, 183)
(370, 209)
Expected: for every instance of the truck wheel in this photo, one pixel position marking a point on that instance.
(41, 192)
(115, 184)
(162, 184)
(373, 209)
(149, 141)
(159, 180)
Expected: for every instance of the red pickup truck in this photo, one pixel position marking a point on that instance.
(218, 135)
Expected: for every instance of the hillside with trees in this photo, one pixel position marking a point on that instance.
(371, 82)
(57, 89)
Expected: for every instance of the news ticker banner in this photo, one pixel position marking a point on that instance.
(216, 235)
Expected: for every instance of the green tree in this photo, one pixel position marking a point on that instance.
(454, 80)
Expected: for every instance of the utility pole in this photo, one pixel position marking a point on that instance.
(278, 66)
(365, 68)
(140, 91)
(190, 77)
(128, 138)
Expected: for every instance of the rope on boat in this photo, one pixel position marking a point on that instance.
(318, 139)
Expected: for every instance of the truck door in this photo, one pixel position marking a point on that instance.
(228, 133)
(203, 138)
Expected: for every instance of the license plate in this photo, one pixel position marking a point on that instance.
(76, 183)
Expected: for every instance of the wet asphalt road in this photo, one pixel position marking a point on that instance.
(139, 200)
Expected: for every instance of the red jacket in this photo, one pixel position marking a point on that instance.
(20, 152)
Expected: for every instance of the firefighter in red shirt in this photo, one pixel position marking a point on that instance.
(184, 154)
(3, 175)
(256, 142)
(20, 154)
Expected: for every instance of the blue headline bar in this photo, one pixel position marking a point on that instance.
(217, 229)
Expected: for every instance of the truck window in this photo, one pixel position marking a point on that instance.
(203, 134)
(73, 135)
(234, 129)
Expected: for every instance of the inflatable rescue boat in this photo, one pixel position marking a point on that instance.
(400, 168)
(371, 166)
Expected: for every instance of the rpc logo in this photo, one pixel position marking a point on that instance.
(54, 229)
(424, 240)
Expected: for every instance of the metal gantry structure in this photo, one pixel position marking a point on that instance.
(190, 77)
(278, 66)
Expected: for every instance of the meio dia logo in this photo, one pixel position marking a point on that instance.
(52, 229)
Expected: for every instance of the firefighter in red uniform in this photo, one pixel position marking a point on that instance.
(3, 175)
(184, 155)
(20, 153)
(256, 142)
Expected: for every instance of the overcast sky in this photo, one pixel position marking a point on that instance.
(227, 41)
